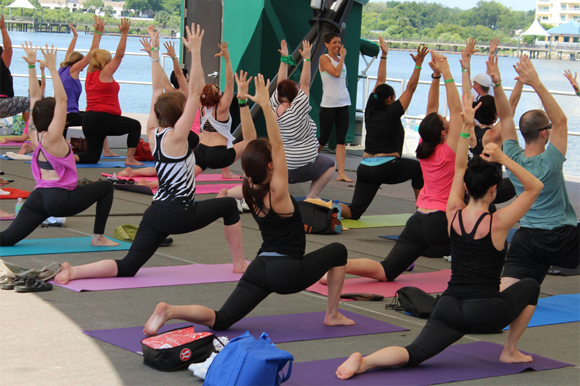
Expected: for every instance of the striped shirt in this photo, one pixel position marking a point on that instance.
(176, 174)
(298, 131)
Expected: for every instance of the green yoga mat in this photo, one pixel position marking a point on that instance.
(58, 245)
(384, 220)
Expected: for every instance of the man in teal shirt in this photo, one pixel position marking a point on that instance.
(548, 233)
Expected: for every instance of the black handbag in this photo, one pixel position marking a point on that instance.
(177, 349)
(319, 219)
(413, 301)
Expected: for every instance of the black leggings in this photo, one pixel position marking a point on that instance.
(164, 218)
(453, 318)
(370, 178)
(422, 231)
(279, 274)
(97, 126)
(73, 119)
(334, 116)
(45, 202)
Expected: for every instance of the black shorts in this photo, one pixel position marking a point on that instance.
(214, 157)
(533, 251)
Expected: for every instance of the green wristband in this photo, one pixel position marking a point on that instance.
(288, 60)
(242, 101)
(418, 67)
(464, 70)
(464, 135)
(578, 93)
(154, 48)
(449, 81)
(307, 60)
(174, 57)
(98, 32)
(497, 85)
(32, 66)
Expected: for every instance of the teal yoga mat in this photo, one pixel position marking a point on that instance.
(58, 245)
(556, 310)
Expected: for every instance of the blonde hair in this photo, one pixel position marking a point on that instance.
(72, 59)
(99, 59)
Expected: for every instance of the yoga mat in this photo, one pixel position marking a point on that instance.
(14, 144)
(216, 188)
(280, 329)
(199, 189)
(110, 164)
(556, 310)
(509, 236)
(136, 179)
(431, 282)
(58, 245)
(461, 362)
(6, 218)
(144, 189)
(14, 193)
(200, 178)
(302, 198)
(160, 276)
(384, 220)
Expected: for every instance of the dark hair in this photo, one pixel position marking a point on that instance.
(255, 160)
(327, 37)
(169, 108)
(480, 176)
(209, 97)
(173, 78)
(382, 92)
(43, 112)
(530, 122)
(430, 131)
(486, 113)
(287, 90)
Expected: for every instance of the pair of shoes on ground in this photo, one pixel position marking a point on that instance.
(27, 280)
(27, 284)
(242, 206)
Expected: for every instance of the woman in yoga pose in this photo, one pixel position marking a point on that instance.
(53, 167)
(173, 210)
(103, 115)
(472, 302)
(281, 265)
(382, 162)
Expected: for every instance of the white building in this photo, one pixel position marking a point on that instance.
(78, 5)
(557, 12)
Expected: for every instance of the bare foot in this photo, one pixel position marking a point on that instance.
(133, 162)
(343, 177)
(64, 276)
(6, 214)
(515, 357)
(222, 193)
(323, 279)
(127, 172)
(102, 241)
(158, 319)
(338, 320)
(350, 367)
(240, 267)
(109, 153)
(229, 175)
(3, 140)
(25, 149)
(143, 181)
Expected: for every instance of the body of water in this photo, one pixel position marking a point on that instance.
(137, 98)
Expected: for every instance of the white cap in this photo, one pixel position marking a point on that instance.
(483, 80)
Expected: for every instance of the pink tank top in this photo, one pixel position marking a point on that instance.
(196, 124)
(438, 171)
(64, 167)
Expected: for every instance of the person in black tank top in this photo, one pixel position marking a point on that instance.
(472, 302)
(281, 265)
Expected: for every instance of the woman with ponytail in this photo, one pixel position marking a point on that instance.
(281, 265)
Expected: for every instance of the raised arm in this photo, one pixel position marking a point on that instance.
(151, 46)
(433, 99)
(327, 65)
(466, 65)
(573, 81)
(407, 95)
(248, 128)
(108, 71)
(504, 111)
(30, 59)
(181, 81)
(6, 42)
(56, 127)
(42, 79)
(228, 95)
(283, 69)
(73, 42)
(97, 34)
(382, 74)
(306, 67)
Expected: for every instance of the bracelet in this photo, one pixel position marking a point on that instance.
(435, 77)
(464, 135)
(449, 81)
(98, 32)
(175, 57)
(154, 48)
(497, 85)
(464, 70)
(384, 57)
(418, 67)
(307, 60)
(155, 60)
(245, 104)
(241, 101)
(42, 77)
(288, 60)
(32, 66)
(578, 93)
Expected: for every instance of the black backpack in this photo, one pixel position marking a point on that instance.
(413, 301)
(319, 219)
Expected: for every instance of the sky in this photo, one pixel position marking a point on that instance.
(516, 5)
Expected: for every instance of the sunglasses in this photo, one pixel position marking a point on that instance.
(546, 128)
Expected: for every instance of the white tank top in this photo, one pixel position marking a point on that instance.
(334, 91)
(224, 128)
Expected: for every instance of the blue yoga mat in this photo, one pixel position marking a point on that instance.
(58, 245)
(556, 310)
(509, 236)
(110, 164)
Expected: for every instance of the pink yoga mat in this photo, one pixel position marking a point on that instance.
(431, 282)
(216, 188)
(14, 144)
(200, 178)
(159, 277)
(6, 218)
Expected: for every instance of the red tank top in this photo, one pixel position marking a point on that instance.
(102, 97)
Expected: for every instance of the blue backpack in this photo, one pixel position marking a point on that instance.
(246, 361)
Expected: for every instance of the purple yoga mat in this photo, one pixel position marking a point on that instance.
(159, 277)
(280, 329)
(460, 362)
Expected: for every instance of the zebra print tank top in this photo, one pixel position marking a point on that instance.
(176, 174)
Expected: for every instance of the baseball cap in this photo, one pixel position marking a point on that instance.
(483, 79)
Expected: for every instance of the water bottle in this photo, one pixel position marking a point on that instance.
(18, 206)
(335, 204)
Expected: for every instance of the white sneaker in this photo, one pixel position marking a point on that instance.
(245, 206)
(200, 369)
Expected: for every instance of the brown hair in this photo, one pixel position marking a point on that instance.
(209, 97)
(255, 160)
(169, 108)
(72, 59)
(43, 112)
(430, 131)
(99, 59)
(287, 90)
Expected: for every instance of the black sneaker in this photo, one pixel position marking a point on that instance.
(167, 242)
